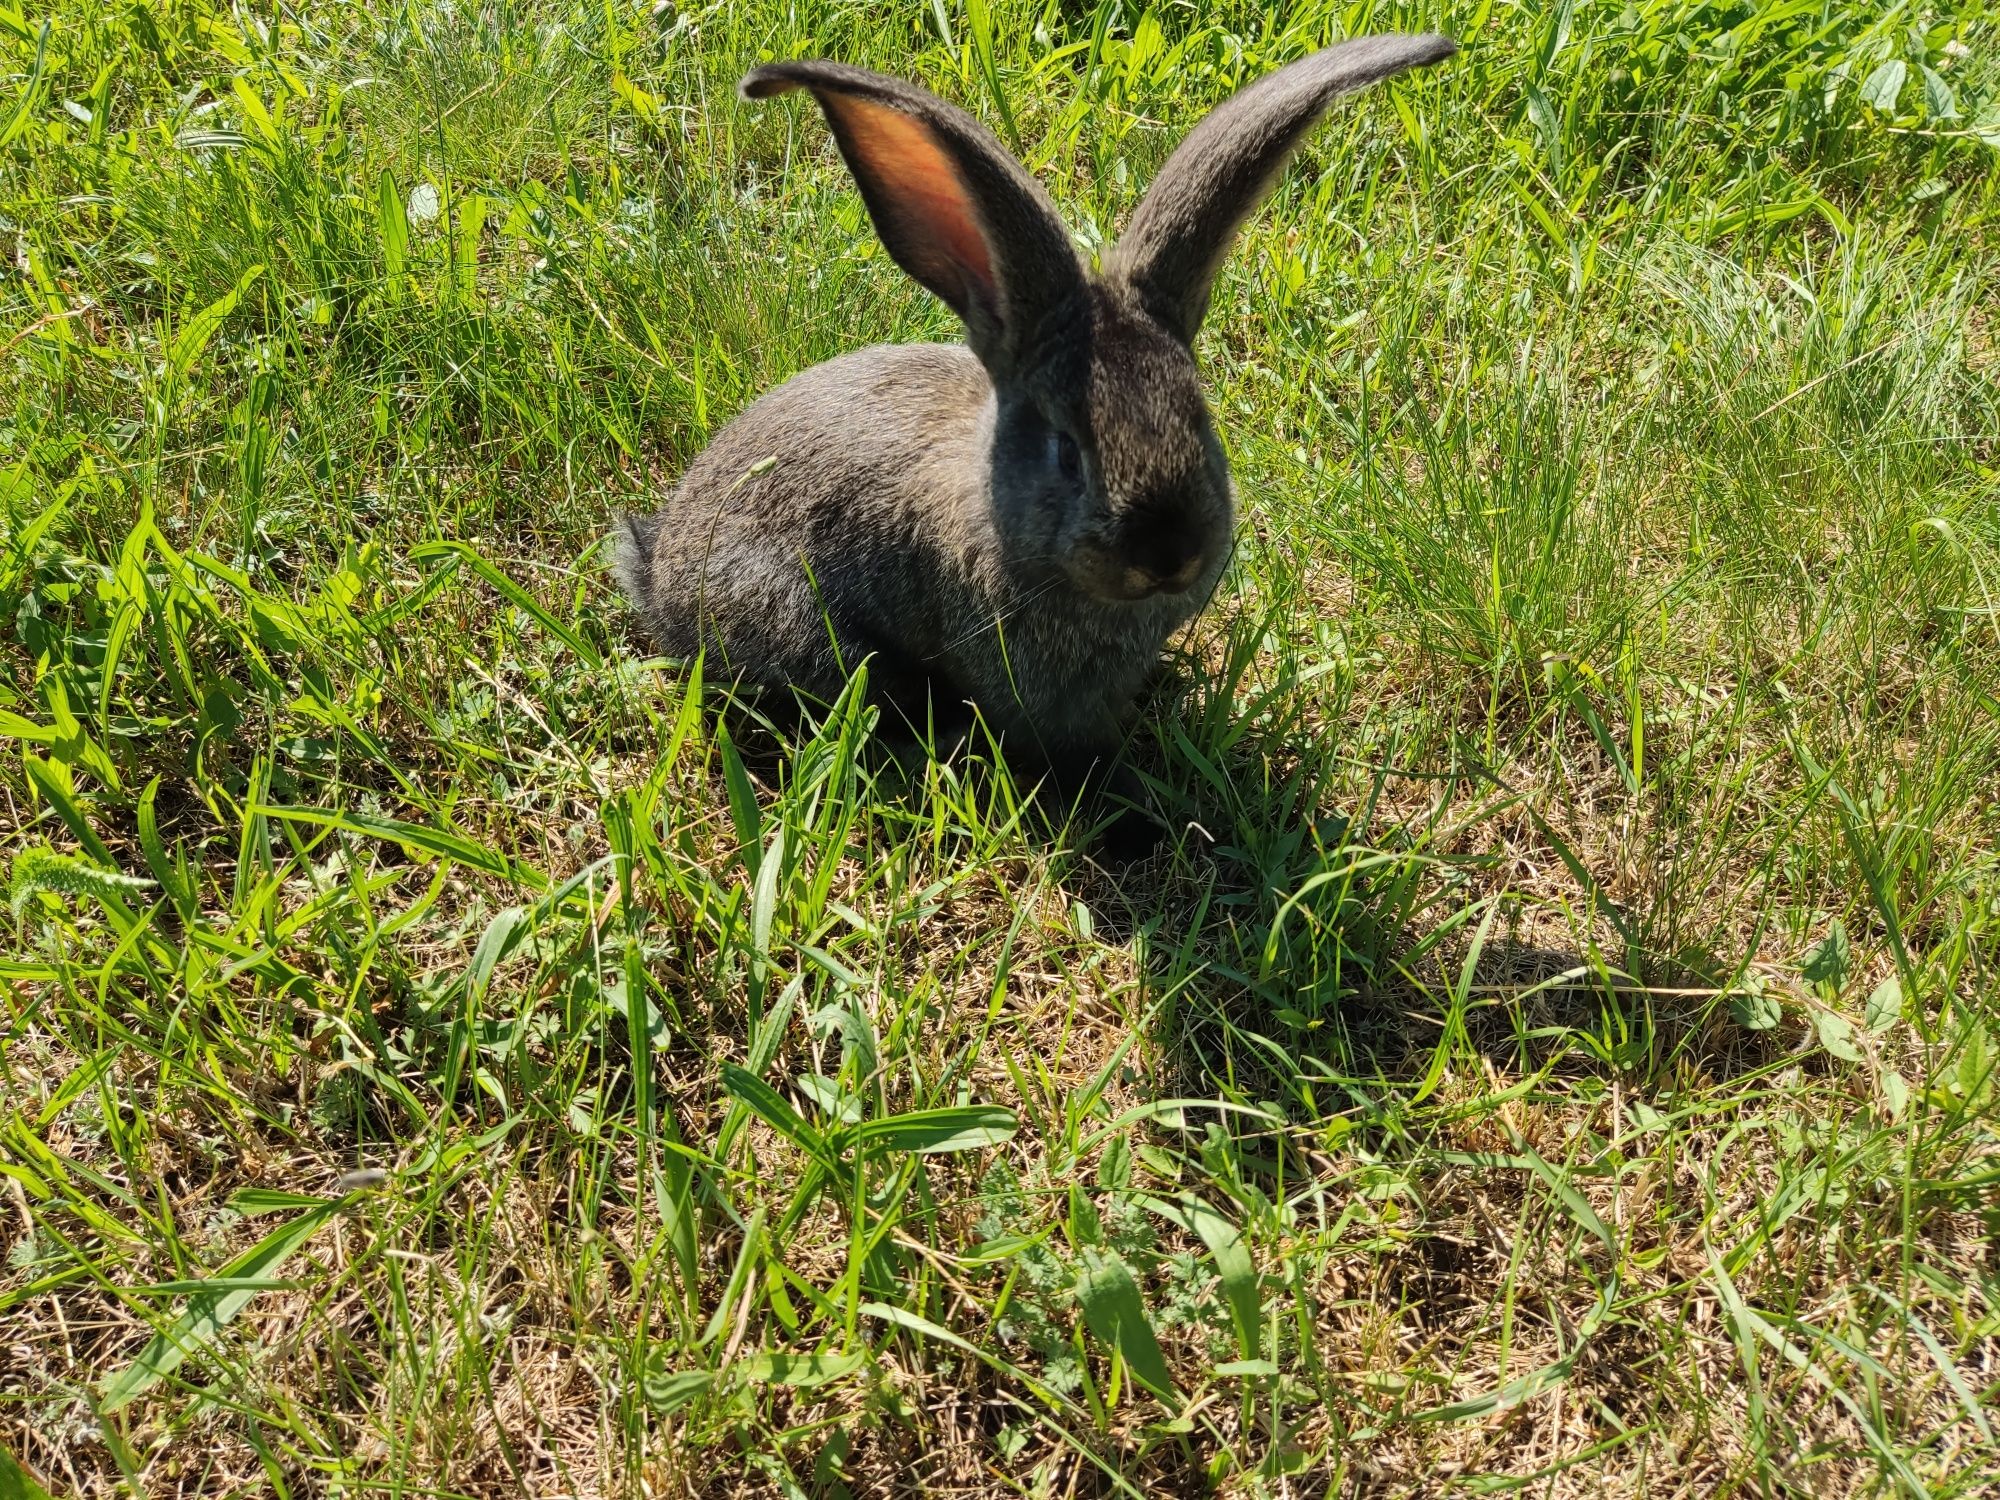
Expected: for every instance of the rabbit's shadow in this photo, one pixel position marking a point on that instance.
(1532, 994)
(1200, 881)
(1102, 815)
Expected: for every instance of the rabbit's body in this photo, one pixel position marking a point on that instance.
(790, 563)
(1018, 523)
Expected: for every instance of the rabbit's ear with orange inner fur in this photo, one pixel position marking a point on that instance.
(953, 208)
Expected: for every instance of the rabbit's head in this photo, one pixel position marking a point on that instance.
(1106, 467)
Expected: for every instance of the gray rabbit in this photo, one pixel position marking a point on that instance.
(1019, 522)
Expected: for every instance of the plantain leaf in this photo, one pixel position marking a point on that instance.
(669, 1393)
(743, 811)
(16, 1483)
(1885, 1004)
(436, 842)
(964, 1127)
(1238, 1272)
(801, 1370)
(209, 1312)
(199, 329)
(395, 228)
(1880, 88)
(31, 94)
(768, 1105)
(1232, 1263)
(1116, 1314)
(507, 588)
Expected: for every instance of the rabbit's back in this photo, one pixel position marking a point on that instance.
(838, 515)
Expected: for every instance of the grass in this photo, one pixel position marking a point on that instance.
(1555, 1055)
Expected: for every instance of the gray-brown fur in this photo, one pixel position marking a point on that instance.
(1215, 179)
(1020, 522)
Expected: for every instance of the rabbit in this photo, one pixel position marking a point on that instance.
(1018, 522)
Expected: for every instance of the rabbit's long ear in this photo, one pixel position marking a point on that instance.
(1183, 228)
(954, 209)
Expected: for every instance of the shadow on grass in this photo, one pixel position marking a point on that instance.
(1299, 951)
(1104, 816)
(1346, 952)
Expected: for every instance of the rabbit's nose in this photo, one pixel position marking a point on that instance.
(1183, 577)
(1162, 552)
(1142, 580)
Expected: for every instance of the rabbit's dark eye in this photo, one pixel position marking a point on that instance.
(1068, 459)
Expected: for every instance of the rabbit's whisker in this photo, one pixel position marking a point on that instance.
(993, 624)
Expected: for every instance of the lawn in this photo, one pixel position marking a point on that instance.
(450, 1051)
